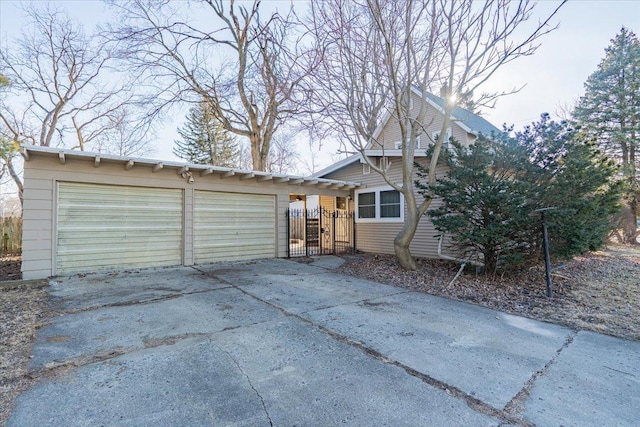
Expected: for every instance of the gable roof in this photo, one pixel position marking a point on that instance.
(468, 121)
(474, 123)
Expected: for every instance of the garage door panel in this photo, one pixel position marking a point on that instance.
(233, 226)
(104, 226)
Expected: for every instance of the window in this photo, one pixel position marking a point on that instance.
(389, 204)
(341, 203)
(366, 205)
(398, 144)
(382, 204)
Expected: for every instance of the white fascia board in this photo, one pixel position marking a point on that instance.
(136, 161)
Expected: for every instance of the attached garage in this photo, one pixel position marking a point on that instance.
(87, 212)
(233, 226)
(108, 226)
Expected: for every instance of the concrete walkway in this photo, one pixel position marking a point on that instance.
(283, 343)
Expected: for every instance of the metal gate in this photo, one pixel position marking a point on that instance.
(320, 231)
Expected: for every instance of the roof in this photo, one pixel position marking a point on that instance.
(467, 120)
(358, 157)
(155, 165)
(475, 123)
(470, 122)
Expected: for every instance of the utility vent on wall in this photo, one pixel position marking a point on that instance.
(398, 145)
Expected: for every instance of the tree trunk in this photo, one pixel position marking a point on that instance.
(403, 239)
(16, 179)
(258, 160)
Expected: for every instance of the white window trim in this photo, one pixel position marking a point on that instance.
(398, 144)
(377, 219)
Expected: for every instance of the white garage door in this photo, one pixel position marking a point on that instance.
(106, 226)
(233, 226)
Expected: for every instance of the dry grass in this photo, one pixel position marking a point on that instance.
(23, 308)
(599, 291)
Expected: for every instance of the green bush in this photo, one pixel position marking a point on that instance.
(493, 186)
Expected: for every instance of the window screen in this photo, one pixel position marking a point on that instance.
(389, 204)
(367, 205)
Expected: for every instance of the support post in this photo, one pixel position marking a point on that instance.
(288, 233)
(320, 230)
(333, 231)
(306, 232)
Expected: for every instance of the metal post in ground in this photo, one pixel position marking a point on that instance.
(545, 247)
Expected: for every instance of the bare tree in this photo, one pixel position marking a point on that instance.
(62, 89)
(284, 157)
(247, 68)
(376, 52)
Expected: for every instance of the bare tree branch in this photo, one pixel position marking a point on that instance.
(248, 69)
(377, 53)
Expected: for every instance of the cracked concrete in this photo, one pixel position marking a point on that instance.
(276, 342)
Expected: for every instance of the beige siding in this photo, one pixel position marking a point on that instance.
(433, 120)
(42, 173)
(378, 236)
(233, 226)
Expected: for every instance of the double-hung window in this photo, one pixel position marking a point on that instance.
(383, 204)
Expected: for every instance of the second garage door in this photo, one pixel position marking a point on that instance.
(233, 226)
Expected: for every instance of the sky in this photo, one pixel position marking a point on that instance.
(553, 77)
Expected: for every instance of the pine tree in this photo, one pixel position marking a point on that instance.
(483, 197)
(610, 112)
(492, 187)
(570, 173)
(205, 141)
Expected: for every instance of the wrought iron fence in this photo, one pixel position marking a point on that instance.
(10, 236)
(320, 231)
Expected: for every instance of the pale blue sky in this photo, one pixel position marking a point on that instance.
(554, 76)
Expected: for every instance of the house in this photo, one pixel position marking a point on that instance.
(379, 209)
(91, 211)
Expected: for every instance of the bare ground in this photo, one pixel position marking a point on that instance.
(23, 309)
(598, 292)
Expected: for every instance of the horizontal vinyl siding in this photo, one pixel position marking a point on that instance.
(391, 132)
(37, 234)
(377, 237)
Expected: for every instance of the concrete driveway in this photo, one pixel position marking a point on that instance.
(283, 343)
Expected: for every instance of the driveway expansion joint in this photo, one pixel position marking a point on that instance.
(516, 406)
(57, 369)
(472, 402)
(136, 302)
